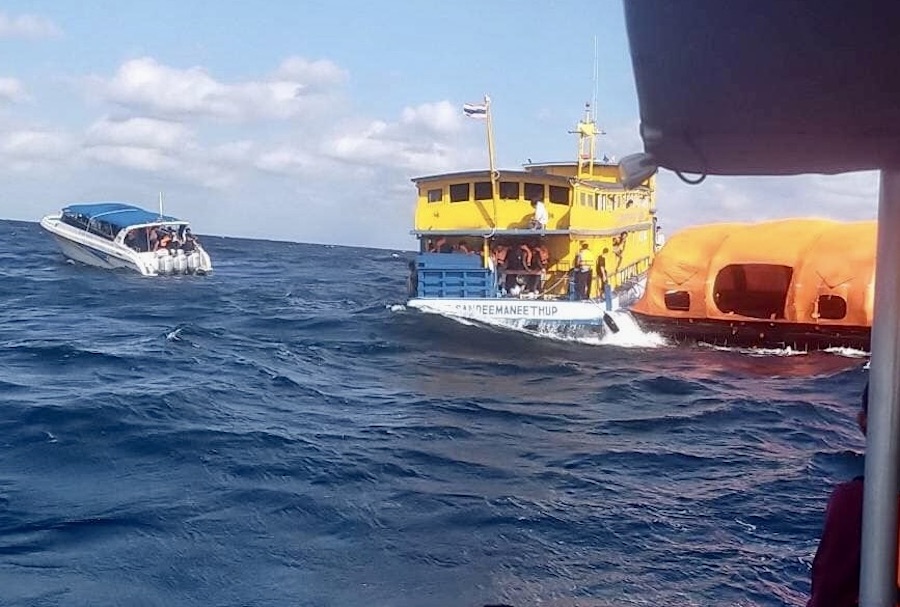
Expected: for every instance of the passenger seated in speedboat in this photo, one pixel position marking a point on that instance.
(165, 240)
(132, 241)
(189, 243)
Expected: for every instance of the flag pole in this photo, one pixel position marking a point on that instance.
(494, 173)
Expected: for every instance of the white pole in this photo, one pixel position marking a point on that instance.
(494, 173)
(878, 576)
(160, 206)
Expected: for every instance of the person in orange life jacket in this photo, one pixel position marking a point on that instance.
(584, 272)
(835, 568)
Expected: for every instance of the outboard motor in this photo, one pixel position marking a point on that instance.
(193, 262)
(180, 263)
(166, 264)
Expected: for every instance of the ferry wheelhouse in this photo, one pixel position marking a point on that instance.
(483, 255)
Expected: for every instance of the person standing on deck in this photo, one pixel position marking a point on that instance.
(541, 217)
(660, 238)
(603, 277)
(584, 272)
(835, 568)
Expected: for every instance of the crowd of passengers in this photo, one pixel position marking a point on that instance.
(520, 266)
(161, 238)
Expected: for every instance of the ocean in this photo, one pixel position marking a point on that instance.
(285, 432)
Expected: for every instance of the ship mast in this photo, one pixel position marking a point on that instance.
(495, 175)
(587, 132)
(587, 128)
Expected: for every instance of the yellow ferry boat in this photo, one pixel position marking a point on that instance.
(560, 242)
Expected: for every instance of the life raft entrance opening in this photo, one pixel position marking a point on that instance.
(754, 290)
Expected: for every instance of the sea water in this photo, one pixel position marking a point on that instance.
(285, 432)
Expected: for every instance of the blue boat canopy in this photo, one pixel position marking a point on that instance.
(117, 214)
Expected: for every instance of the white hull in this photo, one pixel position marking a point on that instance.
(90, 249)
(589, 312)
(513, 309)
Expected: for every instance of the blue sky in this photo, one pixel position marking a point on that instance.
(305, 121)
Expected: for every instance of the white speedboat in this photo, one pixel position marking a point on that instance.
(116, 235)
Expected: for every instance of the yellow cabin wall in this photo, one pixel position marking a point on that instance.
(578, 215)
(513, 214)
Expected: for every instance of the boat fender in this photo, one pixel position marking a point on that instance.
(609, 322)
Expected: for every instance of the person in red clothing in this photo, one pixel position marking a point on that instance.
(835, 569)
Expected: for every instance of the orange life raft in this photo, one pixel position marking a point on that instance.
(802, 283)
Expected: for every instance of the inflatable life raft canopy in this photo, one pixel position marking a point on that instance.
(814, 271)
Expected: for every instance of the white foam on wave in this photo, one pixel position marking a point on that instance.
(629, 334)
(787, 351)
(848, 352)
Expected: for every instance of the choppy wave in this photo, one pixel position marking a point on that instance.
(285, 432)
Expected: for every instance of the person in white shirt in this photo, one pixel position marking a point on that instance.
(541, 217)
(660, 238)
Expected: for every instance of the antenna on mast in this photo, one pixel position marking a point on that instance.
(593, 116)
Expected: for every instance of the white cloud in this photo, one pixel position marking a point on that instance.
(427, 138)
(440, 117)
(314, 75)
(27, 26)
(133, 157)
(147, 132)
(28, 149)
(12, 90)
(289, 160)
(847, 197)
(149, 87)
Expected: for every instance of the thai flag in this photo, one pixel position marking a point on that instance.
(475, 110)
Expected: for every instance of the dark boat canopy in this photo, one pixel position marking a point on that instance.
(774, 87)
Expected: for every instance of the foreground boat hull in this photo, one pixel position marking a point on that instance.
(757, 334)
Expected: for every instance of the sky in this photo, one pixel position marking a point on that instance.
(305, 121)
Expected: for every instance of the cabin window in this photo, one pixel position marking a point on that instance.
(754, 289)
(509, 190)
(678, 300)
(101, 228)
(459, 192)
(483, 190)
(435, 195)
(832, 307)
(78, 221)
(559, 194)
(534, 191)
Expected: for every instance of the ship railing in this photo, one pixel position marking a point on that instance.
(630, 274)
